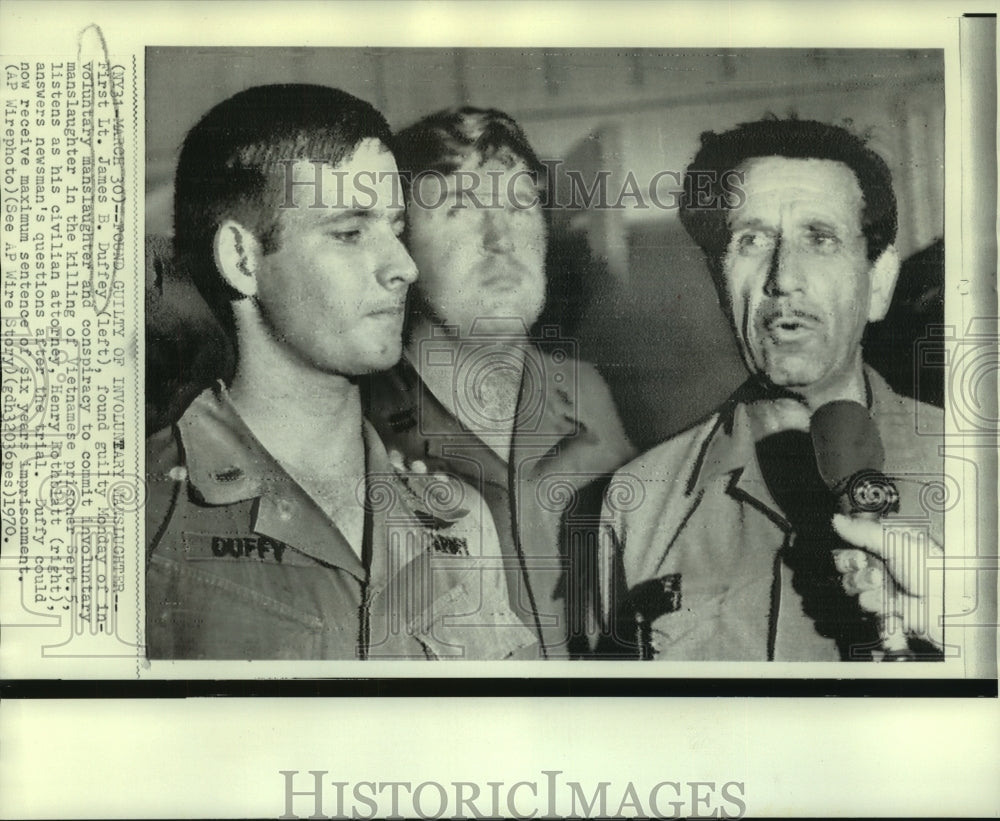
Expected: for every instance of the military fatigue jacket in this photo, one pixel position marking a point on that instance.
(545, 500)
(693, 524)
(242, 563)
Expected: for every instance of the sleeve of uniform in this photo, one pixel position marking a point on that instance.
(164, 482)
(162, 485)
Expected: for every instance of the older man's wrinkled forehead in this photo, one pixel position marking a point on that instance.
(778, 187)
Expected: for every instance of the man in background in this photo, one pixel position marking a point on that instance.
(735, 552)
(477, 395)
(277, 525)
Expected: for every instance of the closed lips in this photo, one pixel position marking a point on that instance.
(502, 280)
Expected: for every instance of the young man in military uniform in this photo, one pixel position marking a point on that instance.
(277, 524)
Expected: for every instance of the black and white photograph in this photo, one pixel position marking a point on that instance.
(583, 354)
(499, 409)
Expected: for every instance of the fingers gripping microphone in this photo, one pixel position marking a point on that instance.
(849, 456)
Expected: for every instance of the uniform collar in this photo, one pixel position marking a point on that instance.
(729, 450)
(227, 464)
(407, 516)
(547, 410)
(547, 406)
(882, 400)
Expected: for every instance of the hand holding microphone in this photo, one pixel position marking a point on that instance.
(888, 583)
(907, 605)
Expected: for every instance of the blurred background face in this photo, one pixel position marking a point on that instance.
(797, 278)
(478, 239)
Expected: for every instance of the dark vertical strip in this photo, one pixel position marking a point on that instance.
(520, 556)
(772, 618)
(550, 72)
(364, 614)
(515, 500)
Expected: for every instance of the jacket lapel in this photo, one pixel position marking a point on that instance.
(731, 451)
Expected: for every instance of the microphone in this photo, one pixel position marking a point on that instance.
(849, 458)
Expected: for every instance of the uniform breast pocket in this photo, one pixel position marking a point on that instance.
(472, 620)
(686, 633)
(219, 610)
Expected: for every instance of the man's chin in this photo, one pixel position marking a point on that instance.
(523, 312)
(494, 320)
(784, 382)
(384, 361)
(498, 324)
(375, 361)
(788, 372)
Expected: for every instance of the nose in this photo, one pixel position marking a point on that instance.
(397, 268)
(497, 236)
(784, 273)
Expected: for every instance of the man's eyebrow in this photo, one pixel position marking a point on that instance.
(337, 215)
(754, 222)
(823, 224)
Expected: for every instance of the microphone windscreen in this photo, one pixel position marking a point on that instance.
(846, 442)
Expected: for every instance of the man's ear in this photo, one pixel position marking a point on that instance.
(237, 256)
(883, 273)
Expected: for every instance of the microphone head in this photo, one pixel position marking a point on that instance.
(846, 443)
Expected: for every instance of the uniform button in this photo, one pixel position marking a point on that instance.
(178, 473)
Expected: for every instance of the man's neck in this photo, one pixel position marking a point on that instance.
(310, 422)
(481, 382)
(772, 412)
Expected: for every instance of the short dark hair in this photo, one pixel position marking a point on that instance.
(442, 141)
(226, 165)
(703, 213)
